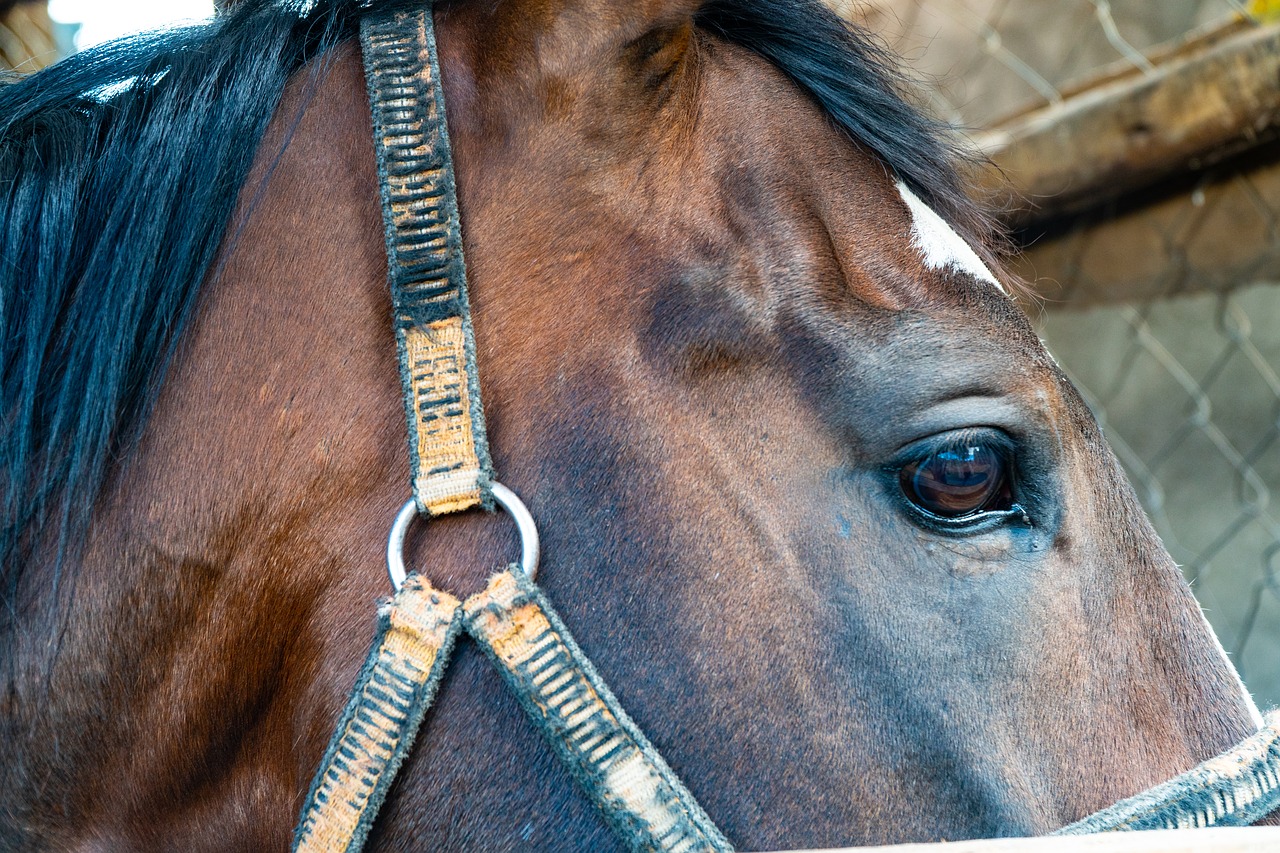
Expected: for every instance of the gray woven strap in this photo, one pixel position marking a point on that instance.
(396, 686)
(638, 794)
(633, 787)
(1236, 788)
(448, 449)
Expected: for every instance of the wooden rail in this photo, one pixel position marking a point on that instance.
(1211, 100)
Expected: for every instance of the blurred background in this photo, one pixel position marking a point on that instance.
(34, 34)
(1137, 164)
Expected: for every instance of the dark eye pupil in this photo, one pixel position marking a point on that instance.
(958, 481)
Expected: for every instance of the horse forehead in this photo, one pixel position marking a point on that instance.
(939, 245)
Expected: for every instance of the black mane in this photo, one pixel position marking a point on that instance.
(119, 170)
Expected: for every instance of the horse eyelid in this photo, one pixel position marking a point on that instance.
(981, 521)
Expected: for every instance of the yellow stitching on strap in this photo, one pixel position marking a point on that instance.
(448, 476)
(622, 773)
(420, 623)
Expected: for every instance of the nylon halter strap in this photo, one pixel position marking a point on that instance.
(639, 796)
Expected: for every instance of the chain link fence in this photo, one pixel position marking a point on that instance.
(984, 60)
(1165, 310)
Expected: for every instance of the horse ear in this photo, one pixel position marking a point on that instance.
(653, 35)
(645, 19)
(655, 11)
(660, 49)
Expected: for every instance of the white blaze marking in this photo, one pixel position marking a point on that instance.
(939, 243)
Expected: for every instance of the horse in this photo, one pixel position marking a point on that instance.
(822, 509)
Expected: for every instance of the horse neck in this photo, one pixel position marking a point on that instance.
(202, 585)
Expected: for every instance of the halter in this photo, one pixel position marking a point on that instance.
(617, 767)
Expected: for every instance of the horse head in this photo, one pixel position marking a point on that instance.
(822, 509)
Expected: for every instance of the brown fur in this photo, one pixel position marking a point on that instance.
(702, 332)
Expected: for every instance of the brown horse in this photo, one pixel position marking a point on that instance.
(823, 511)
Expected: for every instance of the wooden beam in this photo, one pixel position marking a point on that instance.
(1208, 232)
(1130, 133)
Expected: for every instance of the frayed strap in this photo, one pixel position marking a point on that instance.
(448, 447)
(1236, 788)
(617, 767)
(416, 633)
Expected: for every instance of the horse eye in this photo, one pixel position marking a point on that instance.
(960, 480)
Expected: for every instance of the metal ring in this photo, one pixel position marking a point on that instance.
(529, 548)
